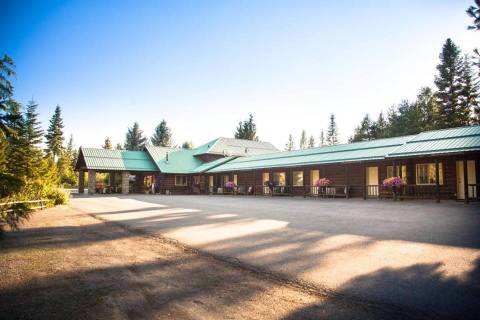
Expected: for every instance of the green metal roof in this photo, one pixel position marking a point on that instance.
(117, 160)
(179, 160)
(235, 147)
(445, 141)
(366, 150)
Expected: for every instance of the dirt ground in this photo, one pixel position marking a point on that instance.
(65, 264)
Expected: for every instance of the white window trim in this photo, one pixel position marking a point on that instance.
(440, 174)
(293, 182)
(181, 185)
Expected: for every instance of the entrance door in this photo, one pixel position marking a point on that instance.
(210, 184)
(265, 180)
(314, 177)
(372, 181)
(472, 178)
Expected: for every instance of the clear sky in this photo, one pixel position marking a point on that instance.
(205, 65)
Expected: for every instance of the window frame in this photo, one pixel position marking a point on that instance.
(183, 177)
(294, 176)
(400, 169)
(440, 173)
(279, 173)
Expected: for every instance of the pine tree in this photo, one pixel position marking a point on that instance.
(364, 130)
(379, 127)
(311, 142)
(448, 82)
(187, 145)
(428, 108)
(134, 139)
(247, 129)
(118, 146)
(290, 144)
(34, 130)
(332, 133)
(54, 134)
(7, 105)
(162, 136)
(107, 144)
(469, 97)
(474, 12)
(322, 142)
(303, 140)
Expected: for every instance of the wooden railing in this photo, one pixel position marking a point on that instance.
(331, 191)
(40, 204)
(472, 191)
(409, 191)
(372, 191)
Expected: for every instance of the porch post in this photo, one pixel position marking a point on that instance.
(465, 179)
(111, 180)
(91, 181)
(394, 164)
(125, 183)
(347, 187)
(437, 180)
(364, 182)
(81, 181)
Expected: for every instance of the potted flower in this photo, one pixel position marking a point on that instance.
(230, 186)
(394, 183)
(322, 184)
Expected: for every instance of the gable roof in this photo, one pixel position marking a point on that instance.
(117, 160)
(235, 147)
(444, 141)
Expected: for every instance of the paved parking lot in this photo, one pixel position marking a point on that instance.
(417, 255)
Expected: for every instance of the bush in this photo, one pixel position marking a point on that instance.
(57, 196)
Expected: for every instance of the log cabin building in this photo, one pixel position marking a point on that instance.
(441, 164)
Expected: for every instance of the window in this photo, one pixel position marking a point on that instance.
(265, 177)
(279, 178)
(298, 178)
(196, 179)
(181, 181)
(403, 175)
(235, 179)
(226, 178)
(426, 173)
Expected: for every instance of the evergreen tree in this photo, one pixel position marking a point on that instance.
(448, 82)
(379, 127)
(428, 108)
(134, 139)
(332, 133)
(187, 145)
(7, 106)
(311, 142)
(290, 144)
(107, 144)
(322, 142)
(364, 130)
(247, 129)
(54, 134)
(469, 98)
(17, 150)
(162, 136)
(474, 12)
(303, 140)
(34, 132)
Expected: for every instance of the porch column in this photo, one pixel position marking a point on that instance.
(364, 182)
(91, 181)
(111, 179)
(437, 180)
(81, 181)
(465, 179)
(347, 187)
(394, 164)
(125, 184)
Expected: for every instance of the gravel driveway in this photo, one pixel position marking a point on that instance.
(416, 255)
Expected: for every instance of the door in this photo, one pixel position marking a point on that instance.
(265, 180)
(472, 178)
(210, 184)
(314, 177)
(372, 181)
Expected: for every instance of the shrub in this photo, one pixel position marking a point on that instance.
(57, 196)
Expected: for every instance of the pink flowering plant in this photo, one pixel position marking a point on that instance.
(230, 184)
(323, 182)
(393, 182)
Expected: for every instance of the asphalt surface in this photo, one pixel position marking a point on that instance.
(417, 255)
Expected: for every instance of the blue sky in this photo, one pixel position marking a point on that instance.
(205, 65)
